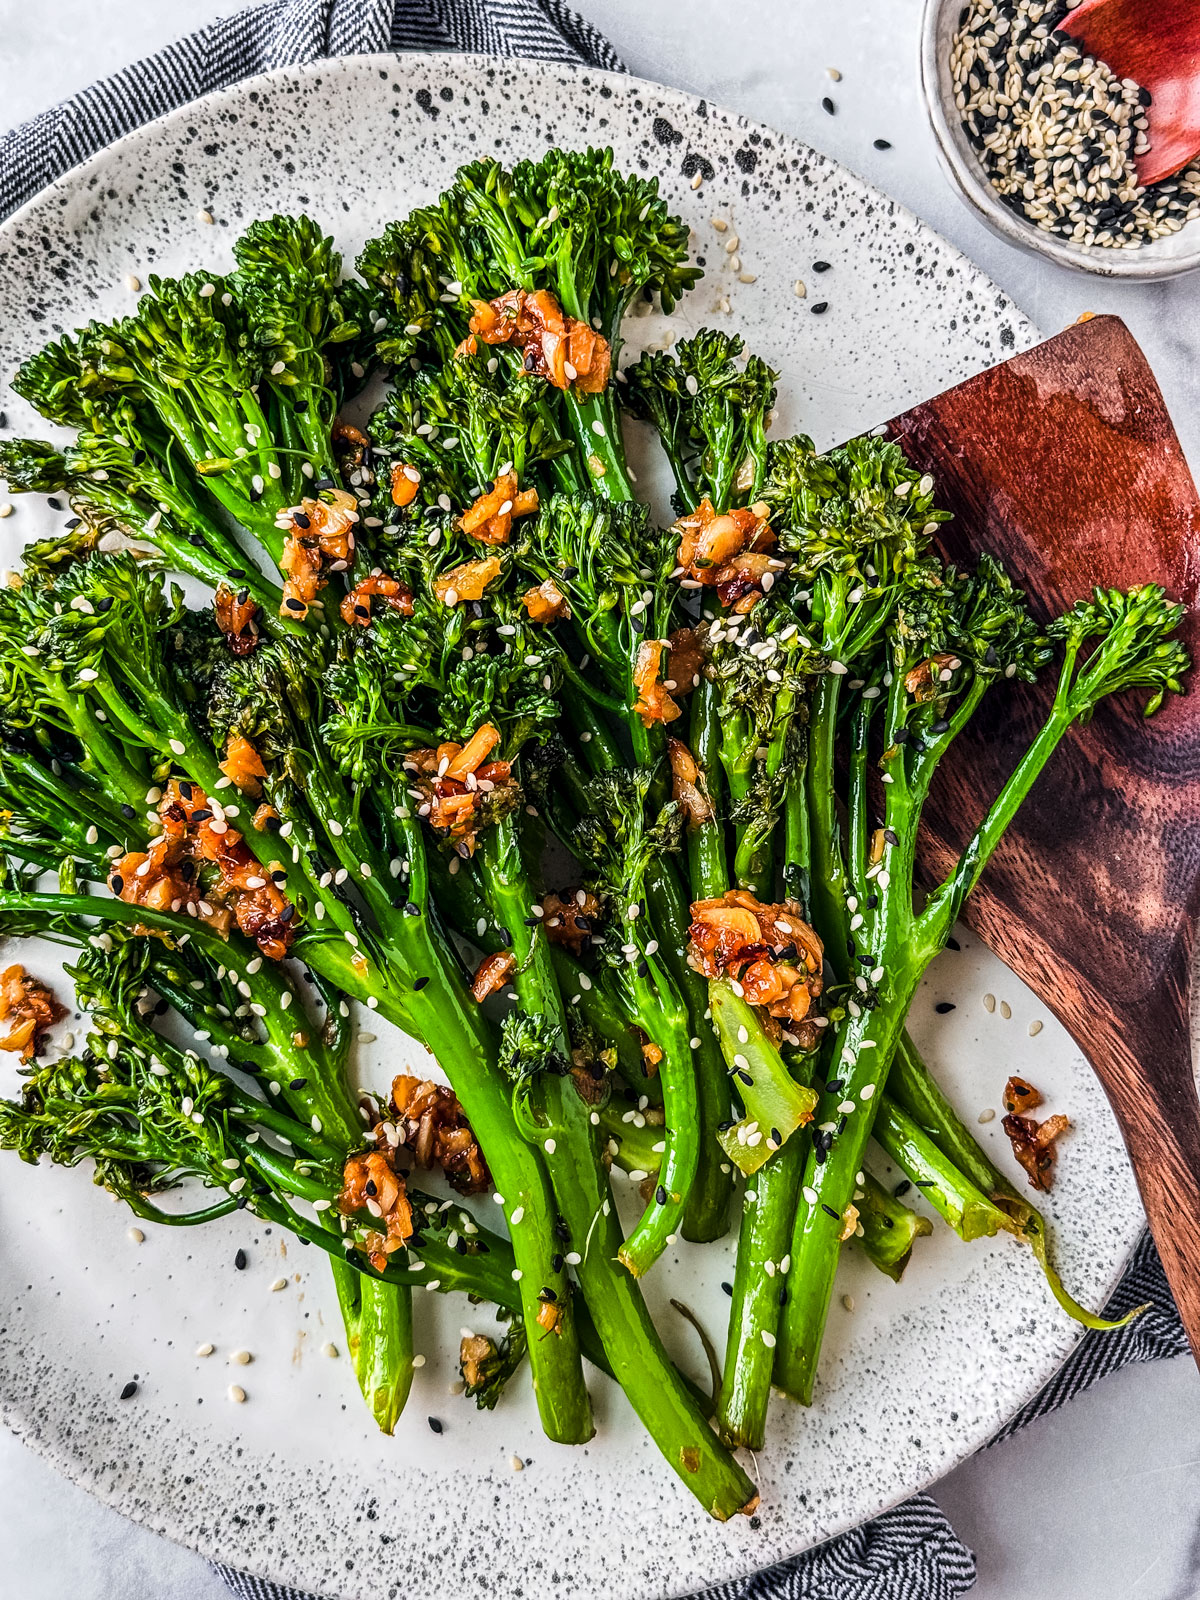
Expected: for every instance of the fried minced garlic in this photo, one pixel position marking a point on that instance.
(461, 788)
(29, 1007)
(371, 1183)
(571, 918)
(770, 949)
(1033, 1145)
(320, 538)
(432, 1126)
(728, 551)
(196, 840)
(556, 346)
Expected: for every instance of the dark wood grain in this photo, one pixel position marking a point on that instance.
(1064, 463)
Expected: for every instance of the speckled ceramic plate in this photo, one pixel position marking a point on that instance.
(295, 1484)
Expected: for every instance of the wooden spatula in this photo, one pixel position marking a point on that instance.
(1157, 44)
(1063, 462)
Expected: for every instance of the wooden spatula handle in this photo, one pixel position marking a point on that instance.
(1159, 1116)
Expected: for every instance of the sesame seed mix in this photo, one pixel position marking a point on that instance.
(1057, 132)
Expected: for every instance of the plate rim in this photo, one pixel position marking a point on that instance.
(66, 185)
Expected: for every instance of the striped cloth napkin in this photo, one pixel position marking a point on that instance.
(910, 1552)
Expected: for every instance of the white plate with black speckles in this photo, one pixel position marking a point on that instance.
(296, 1484)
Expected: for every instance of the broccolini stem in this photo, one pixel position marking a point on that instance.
(639, 1362)
(759, 1280)
(378, 1322)
(890, 1228)
(911, 1086)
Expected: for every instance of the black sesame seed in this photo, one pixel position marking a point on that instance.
(953, 944)
(821, 266)
(891, 836)
(298, 1083)
(130, 1389)
(118, 884)
(128, 812)
(744, 1077)
(923, 1183)
(293, 604)
(371, 1187)
(728, 1288)
(834, 1085)
(301, 519)
(944, 1007)
(419, 983)
(660, 1194)
(821, 307)
(239, 1260)
(776, 1136)
(901, 1188)
(556, 1262)
(830, 1212)
(828, 105)
(55, 505)
(434, 1424)
(883, 144)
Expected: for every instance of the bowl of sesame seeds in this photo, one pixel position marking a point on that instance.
(1040, 140)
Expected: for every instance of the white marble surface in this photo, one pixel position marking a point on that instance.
(1101, 1500)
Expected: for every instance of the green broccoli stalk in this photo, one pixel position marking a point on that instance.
(954, 637)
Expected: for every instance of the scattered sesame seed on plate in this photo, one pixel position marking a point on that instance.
(136, 1235)
(132, 282)
(1005, 1010)
(280, 1283)
(241, 1358)
(848, 1302)
(989, 1002)
(516, 1463)
(1035, 1027)
(237, 1394)
(204, 216)
(6, 509)
(329, 1349)
(987, 1114)
(833, 73)
(800, 289)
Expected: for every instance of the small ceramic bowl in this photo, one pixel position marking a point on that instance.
(1160, 258)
